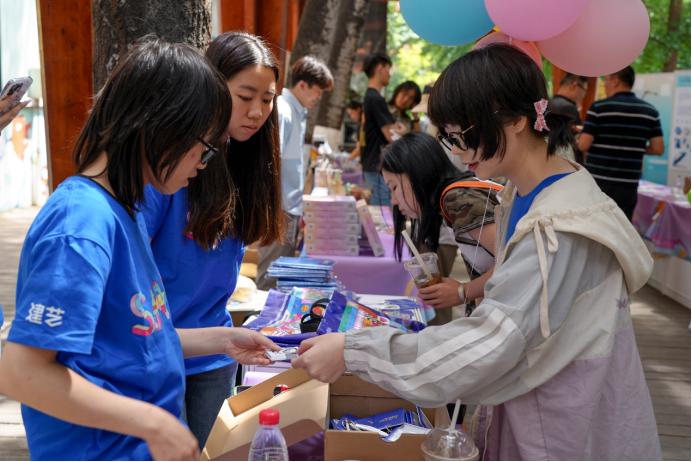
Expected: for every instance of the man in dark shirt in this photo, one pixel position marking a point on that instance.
(618, 132)
(379, 126)
(566, 102)
(569, 96)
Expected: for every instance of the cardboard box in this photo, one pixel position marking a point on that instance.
(306, 409)
(333, 241)
(352, 395)
(330, 218)
(319, 229)
(330, 248)
(303, 408)
(336, 204)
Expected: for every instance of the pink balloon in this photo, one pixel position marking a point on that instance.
(534, 19)
(608, 36)
(528, 48)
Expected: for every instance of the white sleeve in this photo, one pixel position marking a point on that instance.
(472, 358)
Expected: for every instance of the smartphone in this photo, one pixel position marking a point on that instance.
(16, 88)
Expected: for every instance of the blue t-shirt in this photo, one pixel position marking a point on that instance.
(88, 288)
(198, 282)
(522, 204)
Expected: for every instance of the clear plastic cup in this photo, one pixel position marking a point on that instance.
(446, 444)
(420, 278)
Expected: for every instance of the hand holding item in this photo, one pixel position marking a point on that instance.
(247, 346)
(9, 110)
(322, 357)
(168, 439)
(442, 295)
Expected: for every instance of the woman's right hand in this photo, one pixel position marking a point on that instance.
(442, 295)
(169, 439)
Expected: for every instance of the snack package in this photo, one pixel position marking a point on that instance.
(280, 318)
(344, 314)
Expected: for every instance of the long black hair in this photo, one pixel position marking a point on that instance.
(488, 87)
(155, 106)
(422, 159)
(408, 85)
(253, 166)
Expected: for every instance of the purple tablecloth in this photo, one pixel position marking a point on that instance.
(662, 220)
(353, 177)
(374, 275)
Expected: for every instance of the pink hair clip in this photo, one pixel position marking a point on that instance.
(540, 106)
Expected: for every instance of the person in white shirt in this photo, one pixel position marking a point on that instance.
(310, 78)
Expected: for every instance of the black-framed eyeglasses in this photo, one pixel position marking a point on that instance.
(448, 140)
(208, 153)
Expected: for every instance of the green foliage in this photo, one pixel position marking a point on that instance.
(414, 58)
(661, 42)
(421, 61)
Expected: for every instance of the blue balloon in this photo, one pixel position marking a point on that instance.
(447, 22)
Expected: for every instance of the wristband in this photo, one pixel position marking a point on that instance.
(462, 294)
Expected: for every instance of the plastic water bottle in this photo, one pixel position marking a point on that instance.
(269, 442)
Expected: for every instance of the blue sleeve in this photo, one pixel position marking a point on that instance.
(60, 292)
(154, 208)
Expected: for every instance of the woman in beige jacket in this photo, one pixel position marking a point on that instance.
(551, 348)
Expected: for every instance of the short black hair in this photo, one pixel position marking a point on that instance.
(372, 61)
(154, 107)
(569, 78)
(312, 71)
(485, 89)
(626, 76)
(357, 105)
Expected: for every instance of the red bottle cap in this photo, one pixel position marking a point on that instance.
(269, 417)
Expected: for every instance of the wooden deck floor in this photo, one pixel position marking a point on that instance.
(661, 327)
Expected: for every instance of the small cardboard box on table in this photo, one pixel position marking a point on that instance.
(306, 408)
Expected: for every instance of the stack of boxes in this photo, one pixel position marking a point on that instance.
(331, 225)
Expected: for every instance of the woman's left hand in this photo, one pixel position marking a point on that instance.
(322, 357)
(442, 295)
(247, 346)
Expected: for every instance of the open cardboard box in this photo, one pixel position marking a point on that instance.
(306, 408)
(303, 408)
(352, 395)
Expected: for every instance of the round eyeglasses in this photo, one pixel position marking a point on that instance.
(449, 140)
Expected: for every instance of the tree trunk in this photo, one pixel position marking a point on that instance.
(374, 36)
(117, 25)
(330, 30)
(674, 15)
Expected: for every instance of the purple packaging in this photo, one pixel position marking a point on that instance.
(343, 314)
(388, 419)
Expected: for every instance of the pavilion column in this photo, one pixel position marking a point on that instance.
(276, 21)
(65, 44)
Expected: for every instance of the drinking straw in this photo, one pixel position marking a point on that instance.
(457, 406)
(416, 255)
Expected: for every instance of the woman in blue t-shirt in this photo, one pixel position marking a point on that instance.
(198, 240)
(92, 353)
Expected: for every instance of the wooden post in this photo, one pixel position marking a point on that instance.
(65, 42)
(276, 21)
